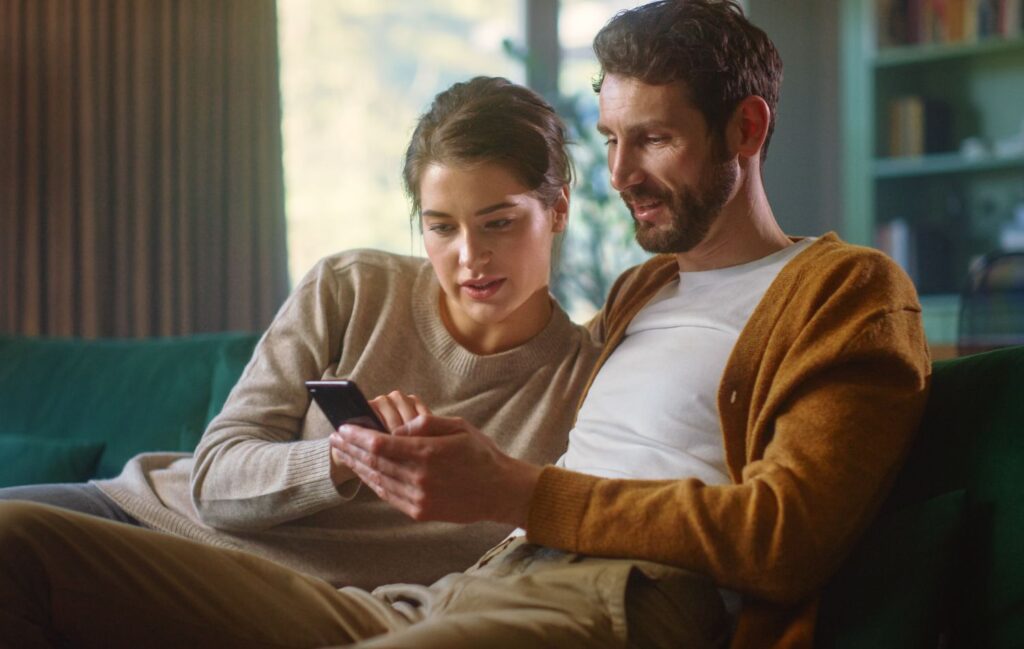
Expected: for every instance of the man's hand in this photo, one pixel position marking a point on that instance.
(439, 468)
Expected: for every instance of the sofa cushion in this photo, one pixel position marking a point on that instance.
(972, 438)
(893, 589)
(136, 395)
(30, 460)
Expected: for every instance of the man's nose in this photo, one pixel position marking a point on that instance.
(623, 167)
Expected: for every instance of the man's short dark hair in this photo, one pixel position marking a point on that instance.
(707, 44)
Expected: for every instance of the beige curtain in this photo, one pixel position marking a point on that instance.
(141, 187)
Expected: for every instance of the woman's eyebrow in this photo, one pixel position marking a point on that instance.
(481, 212)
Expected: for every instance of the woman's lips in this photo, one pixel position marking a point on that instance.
(482, 289)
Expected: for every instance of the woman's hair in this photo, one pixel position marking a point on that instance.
(491, 120)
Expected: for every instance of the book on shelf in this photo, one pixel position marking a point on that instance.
(918, 126)
(894, 239)
(921, 22)
(924, 252)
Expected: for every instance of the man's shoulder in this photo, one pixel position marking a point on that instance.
(833, 264)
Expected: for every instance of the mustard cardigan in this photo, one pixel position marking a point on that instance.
(818, 404)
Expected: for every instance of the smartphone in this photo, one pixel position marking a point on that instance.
(343, 402)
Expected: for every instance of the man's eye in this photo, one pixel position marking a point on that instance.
(656, 139)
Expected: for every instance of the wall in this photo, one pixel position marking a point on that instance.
(802, 171)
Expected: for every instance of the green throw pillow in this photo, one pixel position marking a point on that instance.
(891, 590)
(28, 460)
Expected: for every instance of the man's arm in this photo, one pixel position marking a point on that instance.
(830, 451)
(834, 448)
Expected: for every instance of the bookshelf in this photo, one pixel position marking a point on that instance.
(932, 115)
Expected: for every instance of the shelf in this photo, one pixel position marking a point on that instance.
(912, 54)
(940, 314)
(941, 163)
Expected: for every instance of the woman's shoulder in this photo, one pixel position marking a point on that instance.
(367, 265)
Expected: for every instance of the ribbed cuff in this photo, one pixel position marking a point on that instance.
(309, 462)
(559, 503)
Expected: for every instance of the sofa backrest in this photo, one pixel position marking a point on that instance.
(133, 395)
(952, 529)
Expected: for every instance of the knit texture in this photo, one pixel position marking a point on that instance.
(818, 405)
(259, 480)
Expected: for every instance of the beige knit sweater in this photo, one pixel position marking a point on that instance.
(259, 479)
(818, 403)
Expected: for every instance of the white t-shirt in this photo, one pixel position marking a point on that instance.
(652, 410)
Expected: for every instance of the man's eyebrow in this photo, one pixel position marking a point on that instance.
(481, 212)
(633, 129)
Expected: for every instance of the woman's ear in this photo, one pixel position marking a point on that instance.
(748, 126)
(560, 211)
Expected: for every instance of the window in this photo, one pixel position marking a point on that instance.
(355, 75)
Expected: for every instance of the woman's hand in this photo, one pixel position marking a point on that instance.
(394, 410)
(439, 468)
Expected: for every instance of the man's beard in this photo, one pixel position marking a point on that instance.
(693, 212)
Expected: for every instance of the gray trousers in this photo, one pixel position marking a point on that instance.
(77, 496)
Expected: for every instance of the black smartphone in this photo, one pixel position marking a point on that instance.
(343, 402)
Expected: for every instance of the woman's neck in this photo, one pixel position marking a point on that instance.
(491, 338)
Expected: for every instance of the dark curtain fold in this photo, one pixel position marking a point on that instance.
(141, 181)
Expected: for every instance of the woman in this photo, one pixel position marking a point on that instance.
(472, 331)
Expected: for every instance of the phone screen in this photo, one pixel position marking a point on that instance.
(342, 402)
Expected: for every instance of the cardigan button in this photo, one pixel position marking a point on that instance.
(732, 397)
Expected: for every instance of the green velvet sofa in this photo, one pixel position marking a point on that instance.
(942, 566)
(73, 409)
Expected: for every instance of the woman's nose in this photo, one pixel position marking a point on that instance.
(473, 253)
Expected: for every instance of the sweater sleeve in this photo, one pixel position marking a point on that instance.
(252, 470)
(819, 456)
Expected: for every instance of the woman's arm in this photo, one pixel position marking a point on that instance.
(252, 469)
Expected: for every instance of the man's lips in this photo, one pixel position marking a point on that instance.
(645, 210)
(481, 289)
(644, 203)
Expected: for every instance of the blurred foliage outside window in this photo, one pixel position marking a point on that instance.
(355, 77)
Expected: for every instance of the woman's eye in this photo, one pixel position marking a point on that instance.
(499, 224)
(440, 228)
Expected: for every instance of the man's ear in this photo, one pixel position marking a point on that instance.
(560, 211)
(748, 126)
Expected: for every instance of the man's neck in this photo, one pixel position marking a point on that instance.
(745, 231)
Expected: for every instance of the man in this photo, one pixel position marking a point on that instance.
(769, 388)
(763, 389)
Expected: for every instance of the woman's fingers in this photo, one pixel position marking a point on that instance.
(396, 409)
(388, 479)
(405, 405)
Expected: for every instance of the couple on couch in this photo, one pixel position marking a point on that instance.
(746, 400)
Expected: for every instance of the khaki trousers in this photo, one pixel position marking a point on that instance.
(67, 579)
